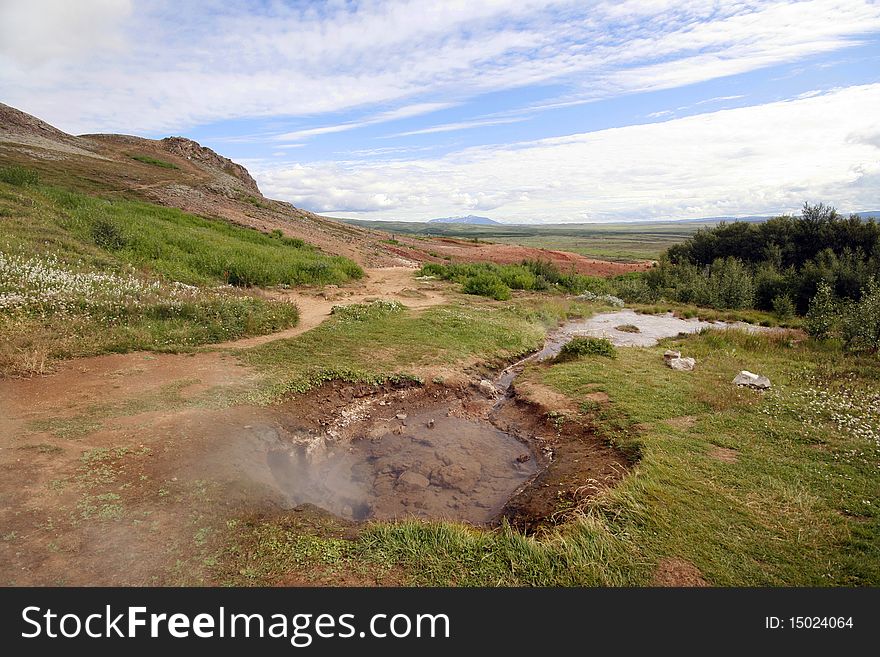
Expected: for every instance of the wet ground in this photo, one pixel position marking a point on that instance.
(651, 329)
(427, 466)
(399, 454)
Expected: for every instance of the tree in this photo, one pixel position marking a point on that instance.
(822, 314)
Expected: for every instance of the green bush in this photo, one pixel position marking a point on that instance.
(19, 176)
(107, 235)
(540, 275)
(861, 321)
(783, 306)
(581, 346)
(486, 285)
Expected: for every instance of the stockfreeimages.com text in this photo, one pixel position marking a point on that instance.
(300, 629)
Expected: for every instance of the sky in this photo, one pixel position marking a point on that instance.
(525, 111)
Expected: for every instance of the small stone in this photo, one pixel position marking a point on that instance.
(401, 416)
(488, 388)
(431, 423)
(522, 458)
(670, 354)
(751, 380)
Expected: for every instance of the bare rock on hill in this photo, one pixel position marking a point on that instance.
(195, 152)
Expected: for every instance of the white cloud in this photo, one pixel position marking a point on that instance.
(34, 32)
(405, 112)
(460, 125)
(175, 65)
(751, 160)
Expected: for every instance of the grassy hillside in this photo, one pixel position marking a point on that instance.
(82, 275)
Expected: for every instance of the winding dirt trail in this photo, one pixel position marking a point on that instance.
(109, 470)
(395, 283)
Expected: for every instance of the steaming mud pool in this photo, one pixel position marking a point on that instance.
(472, 452)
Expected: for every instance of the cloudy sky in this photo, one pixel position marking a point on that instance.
(520, 110)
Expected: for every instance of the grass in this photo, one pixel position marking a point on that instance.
(50, 311)
(798, 506)
(189, 249)
(400, 343)
(146, 159)
(18, 176)
(496, 281)
(80, 276)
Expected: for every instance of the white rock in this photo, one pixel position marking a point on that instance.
(670, 354)
(488, 388)
(746, 378)
(681, 364)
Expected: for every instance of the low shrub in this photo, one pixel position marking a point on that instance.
(582, 346)
(19, 176)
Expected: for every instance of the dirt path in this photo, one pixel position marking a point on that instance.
(395, 283)
(107, 468)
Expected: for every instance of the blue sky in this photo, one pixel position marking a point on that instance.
(523, 111)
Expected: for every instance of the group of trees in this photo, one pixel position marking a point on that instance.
(787, 265)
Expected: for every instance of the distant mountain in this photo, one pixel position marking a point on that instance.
(470, 219)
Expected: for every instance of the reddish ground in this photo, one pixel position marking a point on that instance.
(464, 251)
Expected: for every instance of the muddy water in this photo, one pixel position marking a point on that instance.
(435, 467)
(431, 463)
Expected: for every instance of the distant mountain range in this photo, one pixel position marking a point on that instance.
(470, 219)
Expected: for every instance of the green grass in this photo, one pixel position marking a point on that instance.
(372, 342)
(798, 507)
(18, 176)
(146, 159)
(190, 249)
(80, 275)
(496, 281)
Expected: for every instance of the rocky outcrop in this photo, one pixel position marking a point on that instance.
(205, 157)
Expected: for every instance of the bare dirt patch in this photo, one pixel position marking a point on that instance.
(724, 454)
(545, 400)
(681, 422)
(672, 571)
